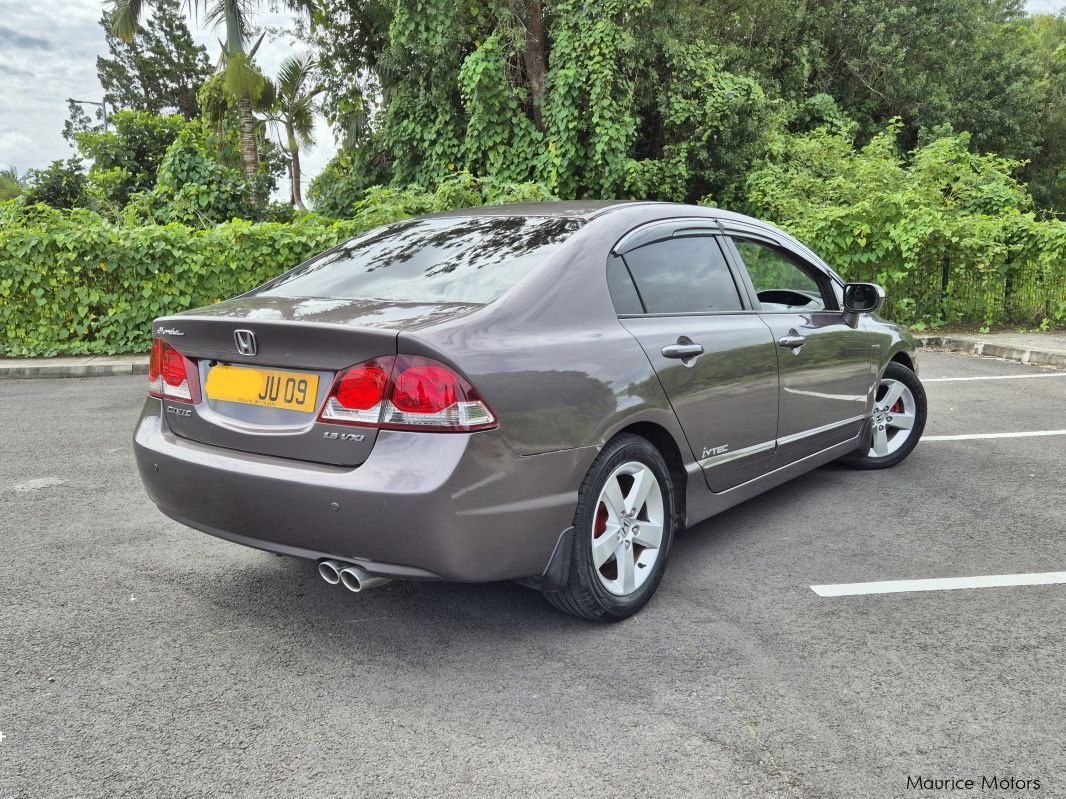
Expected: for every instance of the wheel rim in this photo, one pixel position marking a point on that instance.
(895, 414)
(627, 528)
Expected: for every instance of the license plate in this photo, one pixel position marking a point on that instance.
(269, 388)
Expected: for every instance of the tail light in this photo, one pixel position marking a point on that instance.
(405, 392)
(168, 373)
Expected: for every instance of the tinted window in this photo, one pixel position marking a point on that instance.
(683, 275)
(782, 285)
(623, 292)
(469, 259)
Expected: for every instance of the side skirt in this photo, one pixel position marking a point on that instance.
(703, 503)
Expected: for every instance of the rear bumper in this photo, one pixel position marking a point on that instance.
(447, 506)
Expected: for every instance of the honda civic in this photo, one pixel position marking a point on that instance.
(543, 393)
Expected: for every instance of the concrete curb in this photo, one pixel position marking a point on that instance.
(975, 346)
(101, 366)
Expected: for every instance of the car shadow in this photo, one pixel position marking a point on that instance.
(258, 591)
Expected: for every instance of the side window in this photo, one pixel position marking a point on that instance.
(781, 283)
(683, 275)
(623, 292)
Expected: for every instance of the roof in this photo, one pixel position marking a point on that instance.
(568, 208)
(586, 209)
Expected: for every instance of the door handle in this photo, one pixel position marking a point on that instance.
(682, 351)
(793, 341)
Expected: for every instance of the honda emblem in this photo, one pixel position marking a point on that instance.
(245, 340)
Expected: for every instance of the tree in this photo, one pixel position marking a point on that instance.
(126, 157)
(10, 184)
(61, 185)
(79, 122)
(295, 112)
(590, 97)
(349, 39)
(242, 79)
(160, 70)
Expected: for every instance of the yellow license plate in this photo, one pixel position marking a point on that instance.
(269, 388)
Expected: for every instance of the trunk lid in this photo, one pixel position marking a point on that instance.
(285, 351)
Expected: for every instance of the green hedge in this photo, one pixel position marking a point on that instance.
(949, 234)
(73, 282)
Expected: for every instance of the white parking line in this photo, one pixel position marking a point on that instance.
(939, 584)
(990, 377)
(972, 436)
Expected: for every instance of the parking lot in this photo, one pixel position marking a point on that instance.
(142, 659)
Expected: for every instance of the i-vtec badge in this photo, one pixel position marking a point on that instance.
(343, 436)
(179, 411)
(711, 451)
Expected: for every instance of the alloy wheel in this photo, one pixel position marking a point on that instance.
(627, 529)
(895, 413)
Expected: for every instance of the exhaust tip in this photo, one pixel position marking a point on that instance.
(356, 579)
(351, 579)
(330, 571)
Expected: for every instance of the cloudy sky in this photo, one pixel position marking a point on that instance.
(48, 53)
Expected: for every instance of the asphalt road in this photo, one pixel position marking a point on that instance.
(142, 659)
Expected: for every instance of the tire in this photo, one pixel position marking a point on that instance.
(900, 396)
(621, 538)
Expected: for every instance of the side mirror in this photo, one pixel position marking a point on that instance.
(863, 297)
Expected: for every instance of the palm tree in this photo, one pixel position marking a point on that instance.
(242, 80)
(296, 112)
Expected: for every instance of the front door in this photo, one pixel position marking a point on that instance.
(825, 359)
(716, 360)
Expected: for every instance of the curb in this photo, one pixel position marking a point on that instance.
(30, 371)
(972, 346)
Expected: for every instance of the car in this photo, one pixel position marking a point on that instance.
(543, 393)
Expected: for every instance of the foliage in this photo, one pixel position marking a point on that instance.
(951, 235)
(125, 158)
(349, 40)
(707, 125)
(61, 185)
(160, 70)
(197, 184)
(76, 282)
(243, 81)
(10, 184)
(563, 96)
(294, 111)
(344, 180)
(456, 85)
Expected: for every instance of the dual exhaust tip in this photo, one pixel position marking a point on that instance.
(354, 578)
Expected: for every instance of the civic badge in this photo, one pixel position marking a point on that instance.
(245, 341)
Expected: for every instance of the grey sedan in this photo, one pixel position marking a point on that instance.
(542, 393)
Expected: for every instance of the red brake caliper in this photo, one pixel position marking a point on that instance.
(599, 527)
(898, 407)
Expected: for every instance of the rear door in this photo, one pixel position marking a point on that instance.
(826, 362)
(678, 295)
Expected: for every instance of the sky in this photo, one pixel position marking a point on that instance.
(47, 57)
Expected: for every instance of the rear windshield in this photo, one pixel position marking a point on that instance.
(468, 259)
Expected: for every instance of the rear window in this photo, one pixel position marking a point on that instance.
(468, 259)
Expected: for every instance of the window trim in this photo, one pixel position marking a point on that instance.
(688, 233)
(680, 227)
